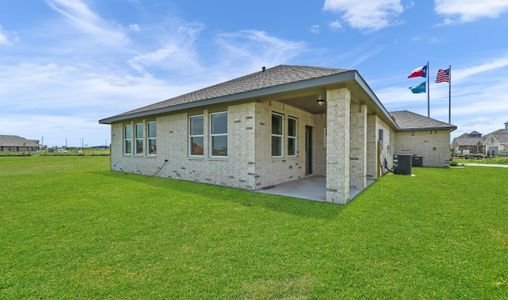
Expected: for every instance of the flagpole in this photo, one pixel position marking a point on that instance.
(428, 90)
(450, 95)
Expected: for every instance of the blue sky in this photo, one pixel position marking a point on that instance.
(65, 64)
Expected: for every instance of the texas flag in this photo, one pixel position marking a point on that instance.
(419, 72)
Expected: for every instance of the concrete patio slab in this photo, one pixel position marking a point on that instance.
(309, 188)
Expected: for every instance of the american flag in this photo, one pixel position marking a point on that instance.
(443, 76)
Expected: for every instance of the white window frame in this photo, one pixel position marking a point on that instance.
(277, 135)
(295, 137)
(195, 135)
(218, 134)
(148, 138)
(134, 132)
(125, 138)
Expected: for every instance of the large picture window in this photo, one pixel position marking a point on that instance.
(292, 129)
(219, 134)
(140, 137)
(152, 137)
(196, 140)
(277, 135)
(127, 139)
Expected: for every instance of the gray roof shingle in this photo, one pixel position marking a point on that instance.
(17, 141)
(501, 135)
(279, 75)
(467, 141)
(410, 121)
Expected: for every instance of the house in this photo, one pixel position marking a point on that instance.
(274, 126)
(468, 144)
(14, 143)
(496, 143)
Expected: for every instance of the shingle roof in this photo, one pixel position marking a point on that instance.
(467, 141)
(410, 121)
(501, 135)
(282, 74)
(17, 141)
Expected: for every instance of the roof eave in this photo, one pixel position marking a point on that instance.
(451, 128)
(351, 75)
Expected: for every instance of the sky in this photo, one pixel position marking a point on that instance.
(65, 64)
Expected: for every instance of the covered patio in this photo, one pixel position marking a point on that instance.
(342, 151)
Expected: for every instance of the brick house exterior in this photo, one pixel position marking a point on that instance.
(279, 125)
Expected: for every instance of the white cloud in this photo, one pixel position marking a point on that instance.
(3, 38)
(67, 96)
(48, 88)
(249, 50)
(176, 51)
(469, 10)
(462, 73)
(135, 27)
(87, 21)
(315, 28)
(366, 15)
(335, 24)
(7, 38)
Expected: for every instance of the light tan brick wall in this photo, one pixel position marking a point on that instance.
(371, 146)
(387, 149)
(337, 144)
(271, 171)
(434, 147)
(237, 170)
(358, 147)
(319, 146)
(374, 124)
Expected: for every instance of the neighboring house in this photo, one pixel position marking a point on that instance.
(468, 144)
(273, 126)
(496, 143)
(14, 143)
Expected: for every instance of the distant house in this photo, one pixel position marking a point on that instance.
(468, 143)
(496, 143)
(14, 143)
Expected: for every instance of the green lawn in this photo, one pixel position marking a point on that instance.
(69, 228)
(501, 160)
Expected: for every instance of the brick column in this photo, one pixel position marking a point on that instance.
(337, 145)
(371, 147)
(358, 160)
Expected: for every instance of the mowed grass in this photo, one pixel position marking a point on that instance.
(500, 160)
(69, 228)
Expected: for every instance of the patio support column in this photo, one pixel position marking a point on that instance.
(371, 147)
(337, 145)
(358, 160)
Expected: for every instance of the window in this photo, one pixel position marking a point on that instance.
(292, 123)
(152, 137)
(277, 133)
(127, 139)
(140, 137)
(196, 140)
(219, 134)
(381, 138)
